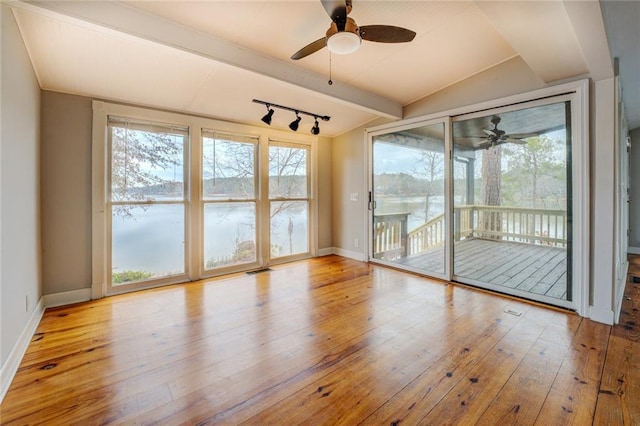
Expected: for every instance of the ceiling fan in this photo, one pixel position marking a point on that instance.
(495, 136)
(344, 36)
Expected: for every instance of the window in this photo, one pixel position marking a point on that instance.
(229, 194)
(146, 200)
(289, 199)
(178, 198)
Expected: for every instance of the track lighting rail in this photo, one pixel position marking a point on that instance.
(315, 130)
(298, 111)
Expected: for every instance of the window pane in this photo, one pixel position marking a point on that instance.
(409, 198)
(289, 228)
(147, 242)
(228, 169)
(146, 165)
(230, 234)
(512, 228)
(287, 172)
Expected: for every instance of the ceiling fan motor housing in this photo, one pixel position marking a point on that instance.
(345, 41)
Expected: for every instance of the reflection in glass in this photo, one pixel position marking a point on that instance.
(147, 242)
(230, 234)
(289, 228)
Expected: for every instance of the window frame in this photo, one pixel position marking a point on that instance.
(194, 220)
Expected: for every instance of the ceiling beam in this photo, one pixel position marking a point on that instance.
(129, 20)
(541, 33)
(588, 25)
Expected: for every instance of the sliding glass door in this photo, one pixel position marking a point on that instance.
(489, 203)
(408, 198)
(512, 220)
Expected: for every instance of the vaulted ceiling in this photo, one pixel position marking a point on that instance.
(213, 57)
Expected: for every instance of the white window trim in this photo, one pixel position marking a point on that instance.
(193, 253)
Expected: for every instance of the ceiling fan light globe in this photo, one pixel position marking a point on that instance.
(343, 43)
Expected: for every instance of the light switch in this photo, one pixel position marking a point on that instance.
(354, 196)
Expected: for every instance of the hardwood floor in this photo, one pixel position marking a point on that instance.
(326, 341)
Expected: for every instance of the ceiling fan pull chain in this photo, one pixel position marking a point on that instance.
(330, 81)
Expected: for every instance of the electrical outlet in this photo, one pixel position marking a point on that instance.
(356, 242)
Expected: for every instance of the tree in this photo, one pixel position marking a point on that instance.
(143, 164)
(430, 169)
(491, 194)
(535, 167)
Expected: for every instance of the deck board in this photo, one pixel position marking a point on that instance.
(537, 269)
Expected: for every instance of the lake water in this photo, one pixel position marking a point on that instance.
(152, 240)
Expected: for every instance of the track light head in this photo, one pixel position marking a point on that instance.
(267, 117)
(315, 129)
(294, 124)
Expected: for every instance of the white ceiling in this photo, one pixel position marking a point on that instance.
(213, 57)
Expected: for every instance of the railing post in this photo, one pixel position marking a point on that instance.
(403, 235)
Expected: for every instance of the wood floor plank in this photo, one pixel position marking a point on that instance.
(618, 402)
(572, 397)
(523, 394)
(322, 341)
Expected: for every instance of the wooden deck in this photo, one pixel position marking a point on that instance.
(326, 341)
(537, 269)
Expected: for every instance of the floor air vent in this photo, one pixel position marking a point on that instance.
(257, 271)
(635, 280)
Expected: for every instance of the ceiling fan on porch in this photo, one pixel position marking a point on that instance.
(495, 136)
(344, 36)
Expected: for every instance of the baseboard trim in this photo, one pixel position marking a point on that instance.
(325, 251)
(67, 298)
(620, 295)
(633, 250)
(10, 367)
(350, 254)
(601, 315)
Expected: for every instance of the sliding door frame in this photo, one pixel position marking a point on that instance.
(578, 91)
(448, 187)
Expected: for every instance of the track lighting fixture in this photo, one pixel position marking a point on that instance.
(268, 115)
(294, 124)
(315, 130)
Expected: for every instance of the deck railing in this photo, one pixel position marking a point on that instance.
(525, 225)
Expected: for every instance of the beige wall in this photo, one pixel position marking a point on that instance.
(325, 177)
(66, 192)
(509, 78)
(20, 287)
(634, 190)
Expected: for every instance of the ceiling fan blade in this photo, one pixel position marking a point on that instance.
(515, 140)
(310, 48)
(338, 11)
(490, 132)
(386, 34)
